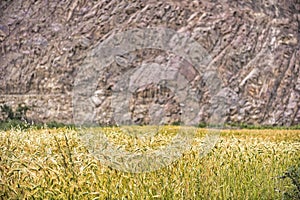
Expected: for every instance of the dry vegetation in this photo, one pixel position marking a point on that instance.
(54, 164)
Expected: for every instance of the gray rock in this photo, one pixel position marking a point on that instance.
(251, 74)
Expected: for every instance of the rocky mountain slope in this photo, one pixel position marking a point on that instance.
(253, 46)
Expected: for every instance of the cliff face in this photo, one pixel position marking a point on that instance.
(254, 50)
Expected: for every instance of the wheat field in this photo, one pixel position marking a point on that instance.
(55, 164)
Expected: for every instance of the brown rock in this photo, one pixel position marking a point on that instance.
(252, 76)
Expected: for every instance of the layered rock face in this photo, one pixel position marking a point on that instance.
(253, 48)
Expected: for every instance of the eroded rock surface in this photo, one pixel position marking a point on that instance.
(254, 49)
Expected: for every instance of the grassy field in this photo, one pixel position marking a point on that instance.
(54, 164)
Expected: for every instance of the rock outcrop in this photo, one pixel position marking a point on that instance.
(253, 46)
